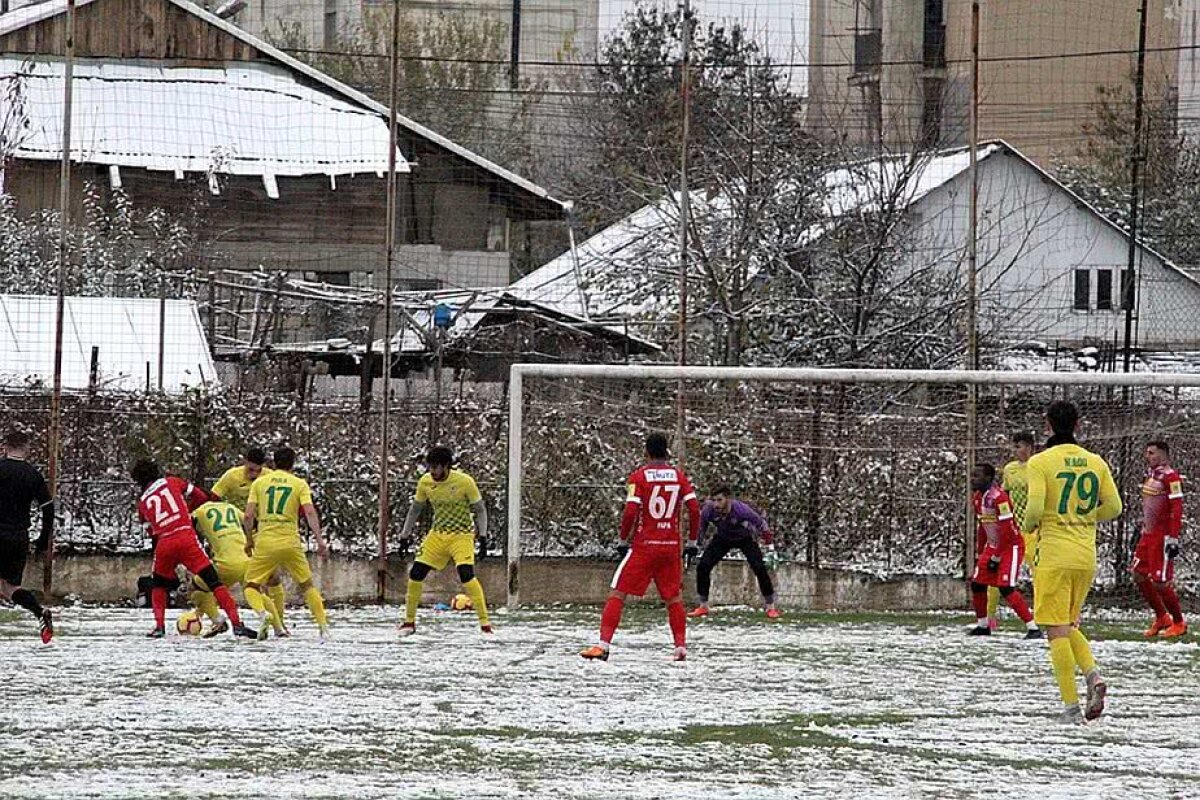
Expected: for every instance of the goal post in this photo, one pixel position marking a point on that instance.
(856, 468)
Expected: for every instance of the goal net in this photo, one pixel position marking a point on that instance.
(862, 470)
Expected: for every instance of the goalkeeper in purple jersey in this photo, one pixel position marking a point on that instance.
(738, 527)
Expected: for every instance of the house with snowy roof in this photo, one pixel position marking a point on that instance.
(1050, 266)
(287, 167)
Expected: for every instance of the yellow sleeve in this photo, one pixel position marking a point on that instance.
(305, 494)
(253, 496)
(222, 486)
(422, 495)
(1036, 498)
(1110, 499)
(241, 518)
(473, 495)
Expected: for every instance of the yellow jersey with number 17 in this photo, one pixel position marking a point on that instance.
(278, 498)
(221, 526)
(1070, 490)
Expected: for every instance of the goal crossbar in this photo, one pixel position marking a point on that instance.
(518, 372)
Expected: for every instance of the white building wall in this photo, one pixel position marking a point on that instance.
(1034, 236)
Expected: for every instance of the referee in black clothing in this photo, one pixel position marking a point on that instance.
(22, 486)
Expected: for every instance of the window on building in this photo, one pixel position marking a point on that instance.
(1104, 290)
(334, 278)
(1083, 289)
(1127, 301)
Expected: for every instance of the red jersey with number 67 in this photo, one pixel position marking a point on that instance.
(164, 506)
(657, 493)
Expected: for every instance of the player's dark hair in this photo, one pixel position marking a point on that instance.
(256, 455)
(1024, 437)
(656, 445)
(722, 490)
(988, 470)
(17, 440)
(285, 458)
(1062, 416)
(1160, 444)
(145, 472)
(440, 457)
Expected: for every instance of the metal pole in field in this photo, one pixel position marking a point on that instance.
(516, 401)
(54, 443)
(1129, 283)
(685, 207)
(162, 328)
(390, 257)
(972, 325)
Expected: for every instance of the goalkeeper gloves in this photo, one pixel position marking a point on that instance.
(622, 551)
(689, 554)
(994, 564)
(1172, 548)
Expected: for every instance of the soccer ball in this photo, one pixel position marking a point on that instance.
(460, 602)
(189, 623)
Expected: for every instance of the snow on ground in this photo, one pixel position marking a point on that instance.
(815, 706)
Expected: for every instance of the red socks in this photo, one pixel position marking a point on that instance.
(1016, 601)
(1170, 601)
(677, 617)
(225, 601)
(979, 603)
(158, 599)
(610, 618)
(1150, 592)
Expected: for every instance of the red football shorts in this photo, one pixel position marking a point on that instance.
(1150, 559)
(179, 548)
(641, 565)
(1011, 557)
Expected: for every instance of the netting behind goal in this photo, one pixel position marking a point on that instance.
(868, 473)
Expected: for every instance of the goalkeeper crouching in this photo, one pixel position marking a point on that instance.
(738, 525)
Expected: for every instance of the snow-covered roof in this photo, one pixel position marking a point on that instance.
(126, 331)
(21, 17)
(239, 119)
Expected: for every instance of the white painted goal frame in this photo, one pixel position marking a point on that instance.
(665, 373)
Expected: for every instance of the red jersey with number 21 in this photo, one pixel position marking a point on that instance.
(659, 491)
(164, 506)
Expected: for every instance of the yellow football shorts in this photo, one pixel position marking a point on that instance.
(1059, 594)
(278, 553)
(231, 574)
(439, 549)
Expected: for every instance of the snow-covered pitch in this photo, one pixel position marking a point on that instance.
(813, 706)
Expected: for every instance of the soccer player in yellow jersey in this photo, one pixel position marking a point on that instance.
(234, 486)
(1070, 490)
(277, 499)
(220, 525)
(1015, 482)
(458, 513)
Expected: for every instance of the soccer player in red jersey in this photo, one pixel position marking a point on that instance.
(1153, 564)
(165, 509)
(657, 490)
(1001, 552)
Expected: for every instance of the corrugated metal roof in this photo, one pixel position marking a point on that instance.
(124, 329)
(243, 119)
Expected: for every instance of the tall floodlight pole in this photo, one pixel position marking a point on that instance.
(1129, 285)
(54, 443)
(972, 322)
(389, 262)
(685, 207)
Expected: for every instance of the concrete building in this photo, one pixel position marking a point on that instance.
(282, 166)
(896, 73)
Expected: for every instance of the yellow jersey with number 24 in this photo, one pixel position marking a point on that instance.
(220, 524)
(1070, 490)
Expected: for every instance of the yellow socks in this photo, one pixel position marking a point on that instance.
(1081, 652)
(474, 590)
(259, 602)
(1064, 668)
(206, 604)
(993, 601)
(412, 598)
(312, 599)
(279, 600)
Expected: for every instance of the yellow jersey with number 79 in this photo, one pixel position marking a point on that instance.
(1070, 490)
(278, 497)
